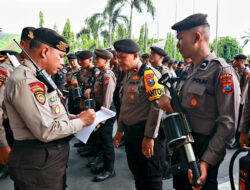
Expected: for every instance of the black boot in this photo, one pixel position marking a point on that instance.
(97, 160)
(104, 175)
(3, 171)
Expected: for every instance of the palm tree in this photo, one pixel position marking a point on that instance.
(247, 38)
(112, 13)
(137, 4)
(95, 24)
(1, 30)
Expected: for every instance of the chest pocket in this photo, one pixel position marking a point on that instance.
(197, 88)
(56, 106)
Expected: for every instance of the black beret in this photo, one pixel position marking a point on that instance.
(27, 33)
(113, 52)
(71, 56)
(102, 53)
(145, 55)
(127, 46)
(3, 54)
(240, 56)
(84, 54)
(158, 50)
(51, 38)
(191, 22)
(166, 59)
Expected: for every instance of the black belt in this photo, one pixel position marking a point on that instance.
(37, 143)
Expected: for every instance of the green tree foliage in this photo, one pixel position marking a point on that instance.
(142, 38)
(121, 32)
(227, 48)
(84, 40)
(41, 19)
(69, 35)
(56, 28)
(170, 45)
(112, 15)
(246, 38)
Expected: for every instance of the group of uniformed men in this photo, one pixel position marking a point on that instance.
(212, 93)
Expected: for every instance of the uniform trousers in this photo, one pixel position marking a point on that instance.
(147, 172)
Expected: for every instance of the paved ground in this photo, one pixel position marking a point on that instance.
(79, 177)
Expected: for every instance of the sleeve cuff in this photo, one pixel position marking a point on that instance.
(3, 143)
(77, 125)
(211, 158)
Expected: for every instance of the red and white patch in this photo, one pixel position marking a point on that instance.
(136, 77)
(57, 109)
(132, 96)
(106, 81)
(194, 102)
(227, 83)
(3, 77)
(38, 90)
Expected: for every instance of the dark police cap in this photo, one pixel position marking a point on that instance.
(113, 52)
(102, 53)
(191, 22)
(71, 56)
(127, 46)
(27, 33)
(240, 56)
(166, 59)
(158, 50)
(86, 54)
(145, 56)
(51, 38)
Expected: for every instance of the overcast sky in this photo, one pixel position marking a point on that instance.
(234, 19)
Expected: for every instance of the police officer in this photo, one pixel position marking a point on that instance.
(103, 91)
(139, 117)
(210, 95)
(146, 58)
(60, 79)
(6, 69)
(72, 84)
(166, 60)
(38, 118)
(244, 75)
(156, 57)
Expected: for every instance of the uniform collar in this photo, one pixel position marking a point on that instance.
(207, 60)
(28, 64)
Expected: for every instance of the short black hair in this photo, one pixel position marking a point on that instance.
(35, 44)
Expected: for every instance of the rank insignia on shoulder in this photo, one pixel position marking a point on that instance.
(154, 90)
(38, 90)
(3, 77)
(227, 83)
(106, 81)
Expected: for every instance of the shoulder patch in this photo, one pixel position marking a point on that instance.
(106, 81)
(38, 90)
(3, 77)
(154, 90)
(227, 83)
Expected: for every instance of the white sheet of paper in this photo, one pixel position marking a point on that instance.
(102, 115)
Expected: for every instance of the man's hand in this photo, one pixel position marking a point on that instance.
(117, 139)
(203, 168)
(4, 154)
(87, 93)
(165, 104)
(243, 140)
(87, 117)
(98, 126)
(148, 147)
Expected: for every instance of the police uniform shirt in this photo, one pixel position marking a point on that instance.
(245, 121)
(116, 70)
(33, 113)
(71, 77)
(135, 104)
(85, 75)
(244, 75)
(163, 69)
(210, 94)
(104, 88)
(6, 70)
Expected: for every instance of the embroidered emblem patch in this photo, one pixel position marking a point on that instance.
(106, 81)
(62, 46)
(38, 90)
(3, 77)
(154, 90)
(57, 109)
(194, 102)
(95, 90)
(132, 88)
(53, 99)
(31, 35)
(227, 83)
(136, 77)
(132, 96)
